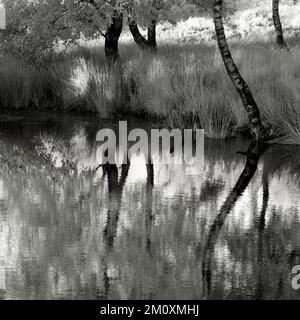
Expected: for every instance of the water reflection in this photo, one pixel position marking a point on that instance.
(115, 190)
(253, 154)
(71, 229)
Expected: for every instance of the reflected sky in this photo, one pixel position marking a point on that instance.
(70, 229)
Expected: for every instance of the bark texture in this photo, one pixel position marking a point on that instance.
(152, 34)
(256, 126)
(139, 39)
(112, 36)
(280, 43)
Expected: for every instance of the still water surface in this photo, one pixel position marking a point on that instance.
(71, 231)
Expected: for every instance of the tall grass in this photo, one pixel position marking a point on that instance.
(184, 92)
(77, 84)
(97, 87)
(15, 84)
(182, 86)
(276, 85)
(24, 86)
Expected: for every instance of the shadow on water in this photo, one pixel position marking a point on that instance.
(72, 229)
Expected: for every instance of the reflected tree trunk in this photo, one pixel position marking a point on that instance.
(149, 209)
(115, 189)
(256, 126)
(112, 36)
(280, 43)
(261, 232)
(254, 153)
(106, 281)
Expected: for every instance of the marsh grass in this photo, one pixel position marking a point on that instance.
(182, 86)
(95, 87)
(276, 85)
(15, 84)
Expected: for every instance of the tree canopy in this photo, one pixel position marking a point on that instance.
(35, 26)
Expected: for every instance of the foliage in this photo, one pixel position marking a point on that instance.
(36, 26)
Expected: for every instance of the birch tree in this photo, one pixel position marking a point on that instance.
(257, 128)
(280, 43)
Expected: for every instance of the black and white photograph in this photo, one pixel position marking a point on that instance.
(149, 151)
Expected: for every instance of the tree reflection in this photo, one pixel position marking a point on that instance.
(69, 230)
(149, 200)
(253, 154)
(115, 189)
(261, 231)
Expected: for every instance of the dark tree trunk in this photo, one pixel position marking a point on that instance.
(137, 36)
(152, 35)
(280, 43)
(256, 126)
(112, 36)
(139, 39)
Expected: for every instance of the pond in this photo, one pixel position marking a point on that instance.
(70, 229)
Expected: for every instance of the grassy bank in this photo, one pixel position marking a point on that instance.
(182, 86)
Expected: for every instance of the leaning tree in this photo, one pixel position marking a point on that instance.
(280, 43)
(149, 13)
(136, 10)
(257, 128)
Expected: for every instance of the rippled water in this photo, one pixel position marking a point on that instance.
(71, 231)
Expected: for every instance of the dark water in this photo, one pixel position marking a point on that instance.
(69, 231)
